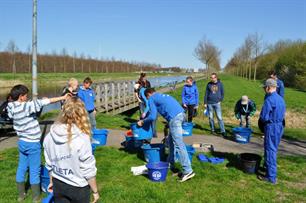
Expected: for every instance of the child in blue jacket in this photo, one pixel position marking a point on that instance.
(87, 95)
(190, 97)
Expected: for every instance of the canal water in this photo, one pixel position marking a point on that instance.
(56, 90)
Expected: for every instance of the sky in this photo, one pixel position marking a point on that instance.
(163, 32)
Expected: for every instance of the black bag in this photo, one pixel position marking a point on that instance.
(261, 125)
(195, 113)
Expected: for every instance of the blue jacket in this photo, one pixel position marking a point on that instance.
(165, 105)
(88, 97)
(214, 93)
(273, 109)
(144, 99)
(190, 95)
(280, 88)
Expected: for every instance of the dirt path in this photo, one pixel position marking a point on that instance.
(220, 145)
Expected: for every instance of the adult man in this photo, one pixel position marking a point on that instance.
(213, 97)
(271, 116)
(280, 89)
(244, 109)
(173, 112)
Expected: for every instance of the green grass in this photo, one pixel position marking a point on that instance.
(212, 183)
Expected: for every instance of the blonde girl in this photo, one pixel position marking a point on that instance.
(68, 155)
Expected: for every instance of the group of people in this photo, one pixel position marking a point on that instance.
(271, 120)
(67, 147)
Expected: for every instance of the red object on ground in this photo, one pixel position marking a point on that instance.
(129, 133)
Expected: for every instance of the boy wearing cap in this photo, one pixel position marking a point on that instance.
(244, 109)
(280, 89)
(271, 116)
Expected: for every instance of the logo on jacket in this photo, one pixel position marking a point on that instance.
(214, 88)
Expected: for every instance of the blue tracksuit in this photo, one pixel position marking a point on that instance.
(190, 95)
(280, 88)
(272, 115)
(165, 105)
(88, 97)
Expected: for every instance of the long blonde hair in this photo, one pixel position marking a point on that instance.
(74, 112)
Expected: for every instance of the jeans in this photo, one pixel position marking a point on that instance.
(29, 157)
(215, 108)
(245, 120)
(176, 143)
(65, 193)
(92, 120)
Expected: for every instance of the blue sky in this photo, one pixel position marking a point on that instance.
(157, 31)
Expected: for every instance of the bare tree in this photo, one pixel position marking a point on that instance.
(29, 52)
(12, 49)
(258, 49)
(64, 55)
(207, 53)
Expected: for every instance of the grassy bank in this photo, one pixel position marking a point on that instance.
(234, 88)
(212, 183)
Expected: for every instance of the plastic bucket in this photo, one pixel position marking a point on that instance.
(154, 152)
(132, 144)
(187, 129)
(44, 179)
(99, 137)
(142, 132)
(190, 150)
(242, 135)
(250, 162)
(158, 171)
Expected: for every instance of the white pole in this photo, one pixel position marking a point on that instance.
(34, 51)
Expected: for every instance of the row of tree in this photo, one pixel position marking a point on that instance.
(15, 61)
(254, 59)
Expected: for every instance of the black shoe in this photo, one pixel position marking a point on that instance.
(265, 179)
(224, 134)
(187, 176)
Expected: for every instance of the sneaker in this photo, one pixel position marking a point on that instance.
(223, 134)
(212, 132)
(187, 176)
(265, 179)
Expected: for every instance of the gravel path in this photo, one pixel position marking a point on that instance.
(287, 147)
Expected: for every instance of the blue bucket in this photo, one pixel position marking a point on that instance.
(48, 199)
(187, 129)
(158, 171)
(142, 132)
(154, 152)
(132, 143)
(44, 179)
(99, 137)
(190, 150)
(242, 135)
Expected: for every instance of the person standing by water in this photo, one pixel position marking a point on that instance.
(68, 155)
(280, 89)
(271, 117)
(88, 95)
(190, 97)
(214, 95)
(173, 112)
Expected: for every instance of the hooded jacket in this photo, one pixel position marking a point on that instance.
(190, 95)
(88, 97)
(214, 93)
(71, 163)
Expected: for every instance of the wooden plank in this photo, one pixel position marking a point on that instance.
(106, 96)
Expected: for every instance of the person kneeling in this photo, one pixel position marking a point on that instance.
(244, 109)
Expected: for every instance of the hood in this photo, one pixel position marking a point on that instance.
(193, 84)
(59, 133)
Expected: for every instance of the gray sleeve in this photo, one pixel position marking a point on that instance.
(87, 160)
